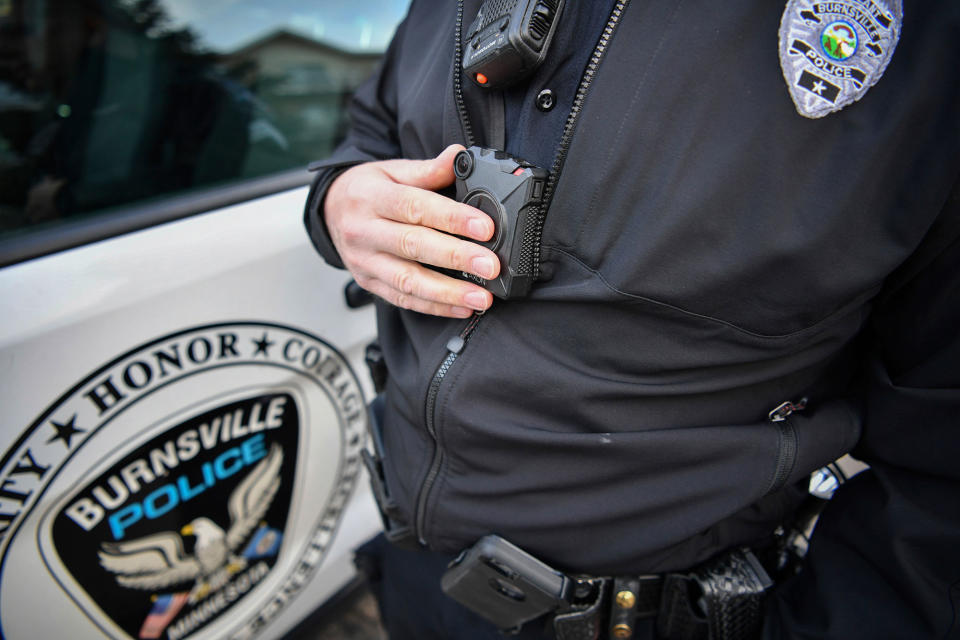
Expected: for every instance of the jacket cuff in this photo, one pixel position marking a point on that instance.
(313, 213)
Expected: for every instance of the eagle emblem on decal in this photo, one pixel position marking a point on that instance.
(831, 53)
(159, 561)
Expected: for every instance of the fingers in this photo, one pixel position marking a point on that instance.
(428, 246)
(413, 206)
(383, 229)
(387, 224)
(408, 196)
(413, 286)
(431, 175)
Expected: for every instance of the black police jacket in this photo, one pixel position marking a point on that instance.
(708, 254)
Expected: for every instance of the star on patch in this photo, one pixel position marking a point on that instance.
(817, 85)
(65, 432)
(263, 345)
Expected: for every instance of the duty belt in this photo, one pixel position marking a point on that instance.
(720, 600)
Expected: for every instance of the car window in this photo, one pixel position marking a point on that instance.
(106, 104)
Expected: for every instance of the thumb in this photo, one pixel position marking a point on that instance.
(432, 174)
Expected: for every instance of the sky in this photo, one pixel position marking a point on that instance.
(355, 25)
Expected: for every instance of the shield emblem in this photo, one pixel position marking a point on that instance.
(831, 53)
(189, 488)
(147, 569)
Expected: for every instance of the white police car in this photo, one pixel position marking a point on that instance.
(183, 386)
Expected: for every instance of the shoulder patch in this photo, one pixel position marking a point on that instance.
(831, 53)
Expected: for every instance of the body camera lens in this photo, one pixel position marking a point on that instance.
(463, 164)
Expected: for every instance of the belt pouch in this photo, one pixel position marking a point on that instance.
(722, 600)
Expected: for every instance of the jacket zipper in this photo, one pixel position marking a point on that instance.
(456, 344)
(458, 79)
(570, 125)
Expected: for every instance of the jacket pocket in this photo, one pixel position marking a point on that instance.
(641, 492)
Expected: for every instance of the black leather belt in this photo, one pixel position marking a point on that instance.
(719, 600)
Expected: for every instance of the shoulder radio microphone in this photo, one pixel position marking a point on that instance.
(508, 40)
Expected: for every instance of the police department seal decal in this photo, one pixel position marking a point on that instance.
(202, 470)
(831, 53)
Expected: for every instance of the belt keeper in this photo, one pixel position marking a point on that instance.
(623, 608)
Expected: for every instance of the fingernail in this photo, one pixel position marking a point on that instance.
(482, 266)
(461, 312)
(478, 228)
(476, 300)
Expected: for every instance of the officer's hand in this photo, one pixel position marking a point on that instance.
(385, 219)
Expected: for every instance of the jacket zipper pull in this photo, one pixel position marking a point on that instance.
(787, 408)
(455, 344)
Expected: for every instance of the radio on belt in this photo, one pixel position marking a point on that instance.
(508, 40)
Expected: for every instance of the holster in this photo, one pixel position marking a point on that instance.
(721, 600)
(395, 528)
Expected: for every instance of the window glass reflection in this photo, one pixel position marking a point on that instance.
(104, 103)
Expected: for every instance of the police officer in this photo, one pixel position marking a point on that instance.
(748, 267)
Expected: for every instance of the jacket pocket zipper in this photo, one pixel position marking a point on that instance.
(787, 442)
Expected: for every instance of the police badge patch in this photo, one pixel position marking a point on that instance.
(831, 53)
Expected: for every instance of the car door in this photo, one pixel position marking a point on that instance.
(183, 381)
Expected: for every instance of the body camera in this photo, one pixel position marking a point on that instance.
(510, 191)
